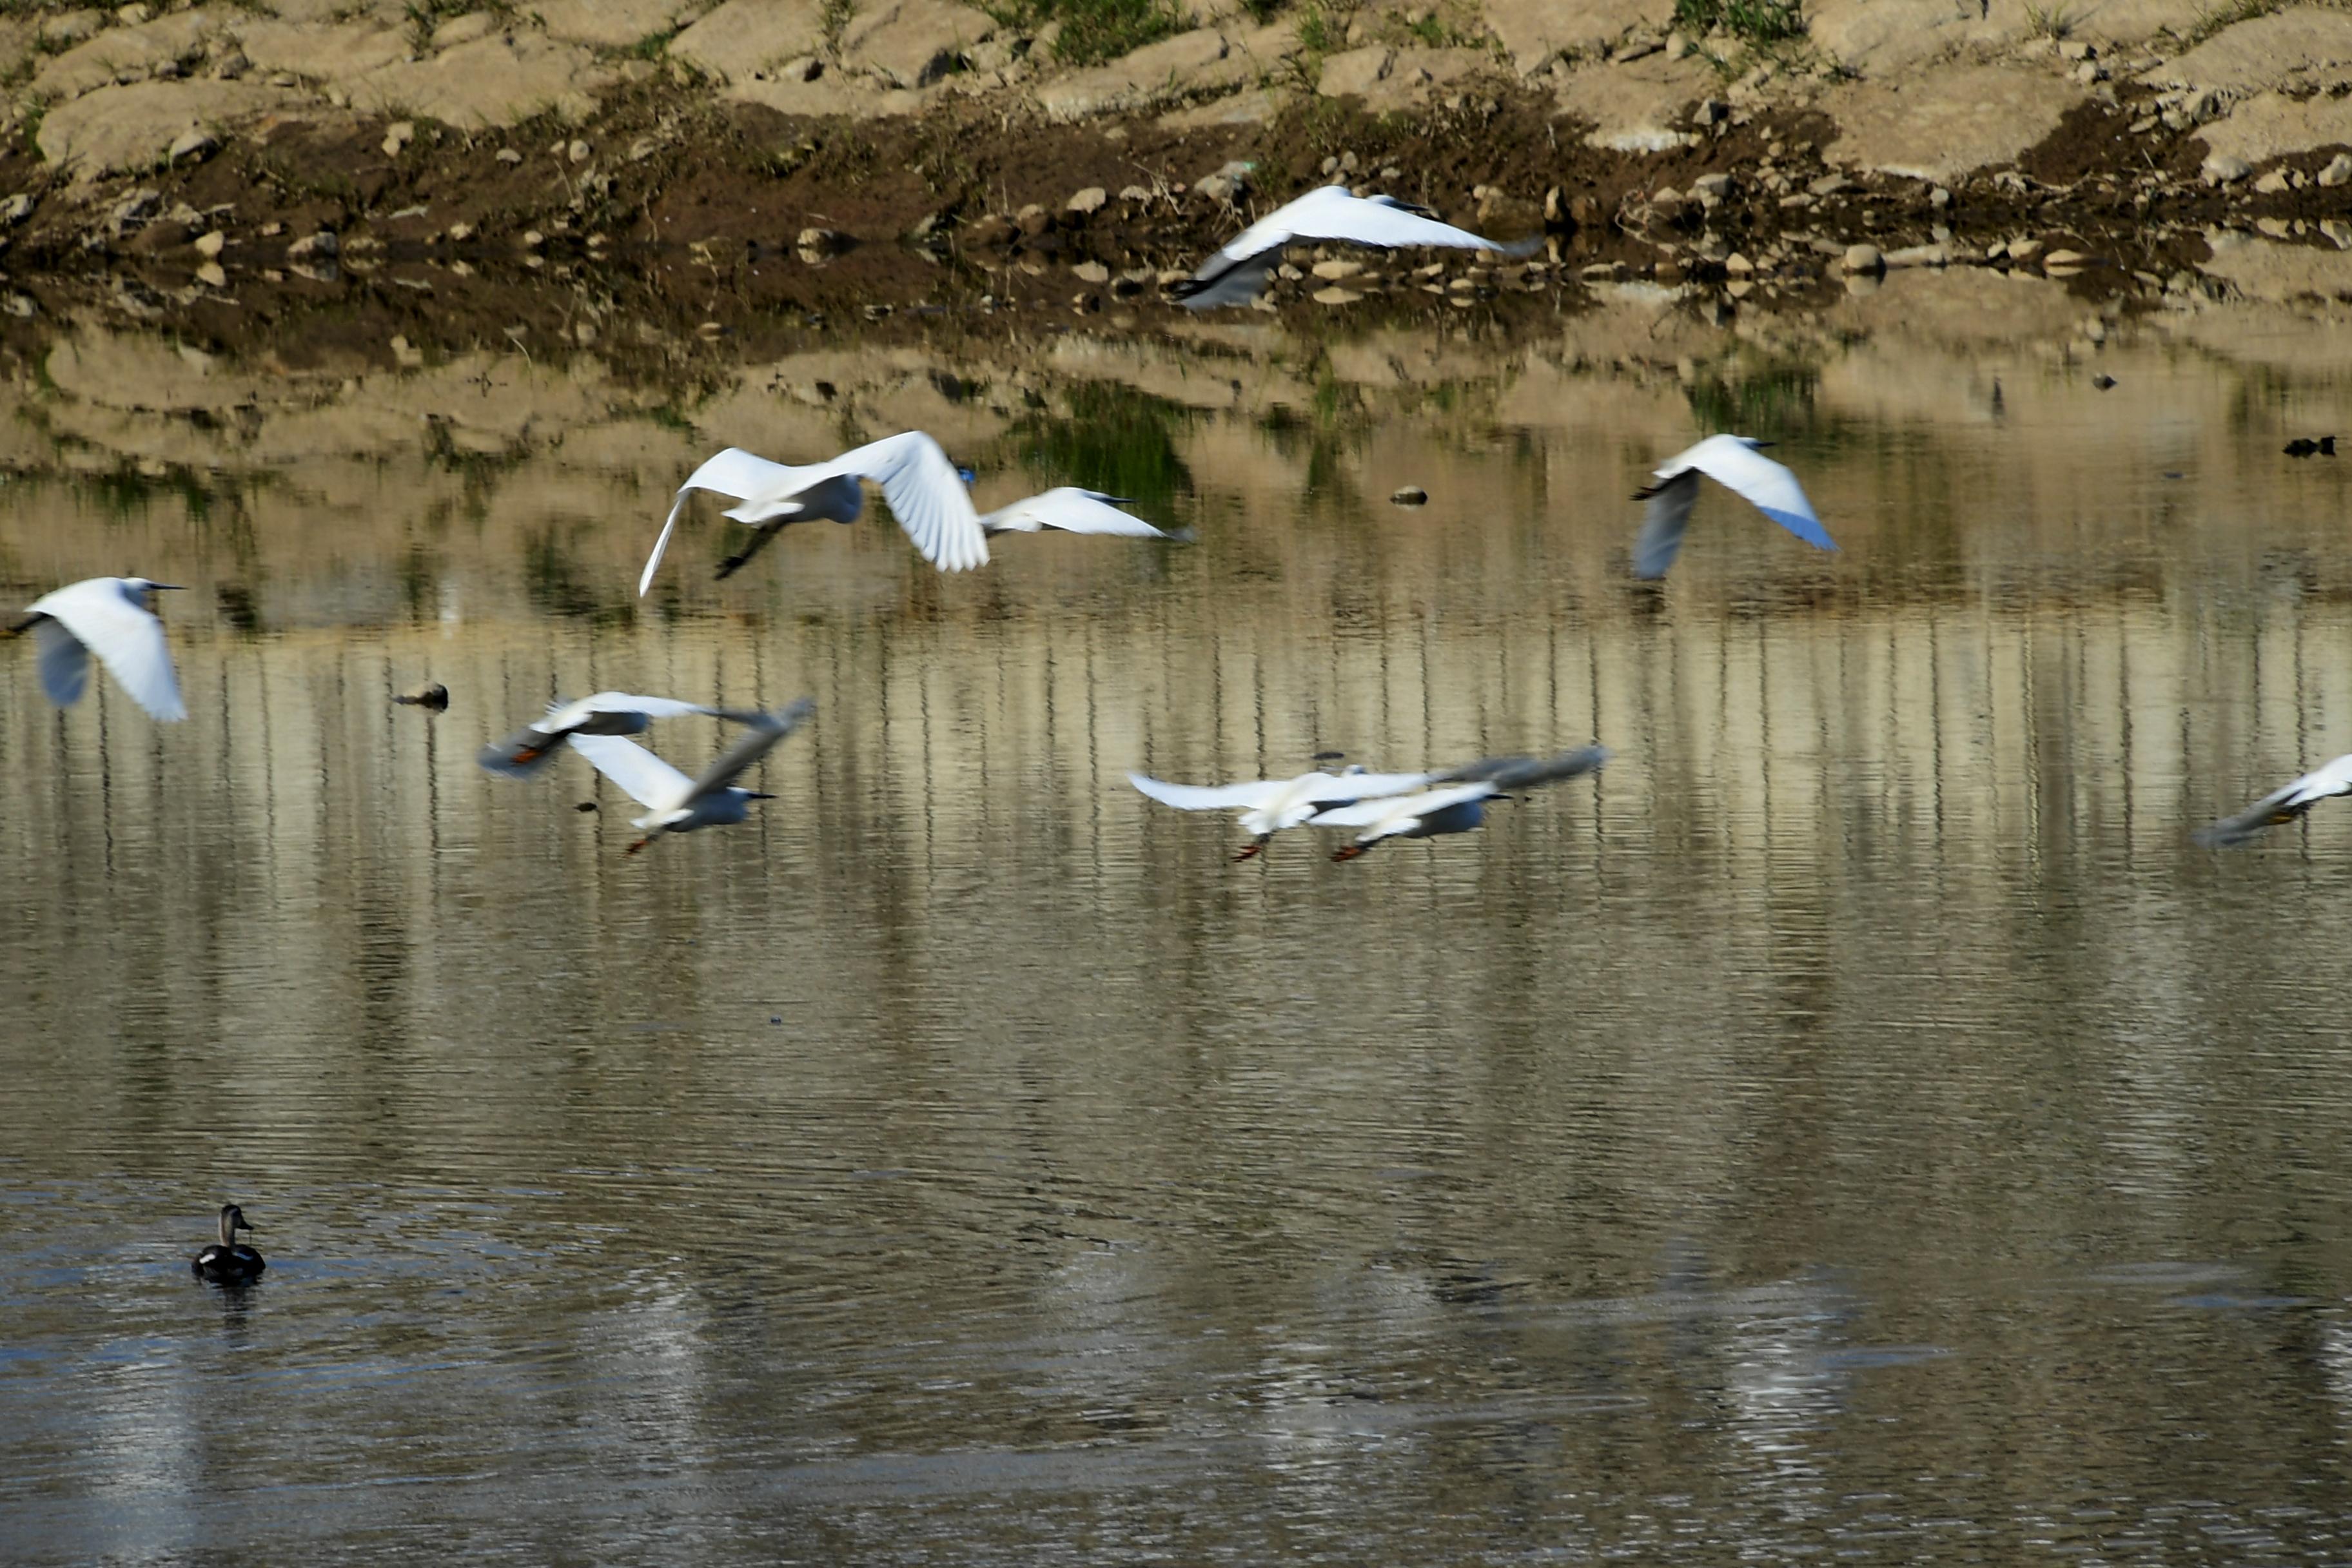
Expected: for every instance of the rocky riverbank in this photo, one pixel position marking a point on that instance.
(308, 174)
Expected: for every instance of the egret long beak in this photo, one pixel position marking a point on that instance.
(757, 795)
(165, 588)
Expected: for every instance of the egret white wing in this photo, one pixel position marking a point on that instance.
(1247, 796)
(563, 715)
(644, 777)
(126, 636)
(1768, 486)
(1071, 510)
(2278, 806)
(733, 472)
(63, 662)
(1664, 522)
(926, 495)
(1347, 787)
(760, 737)
(1388, 808)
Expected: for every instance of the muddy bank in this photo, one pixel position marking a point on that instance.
(663, 220)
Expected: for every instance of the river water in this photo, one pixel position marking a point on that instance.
(1859, 1125)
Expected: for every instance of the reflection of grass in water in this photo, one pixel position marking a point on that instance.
(555, 585)
(1111, 438)
(1763, 401)
(126, 494)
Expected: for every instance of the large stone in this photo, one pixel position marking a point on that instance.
(2263, 270)
(1887, 38)
(339, 53)
(490, 81)
(1632, 107)
(1355, 73)
(1946, 124)
(746, 36)
(2137, 21)
(913, 43)
(2298, 46)
(1205, 60)
(116, 128)
(1534, 33)
(612, 24)
(96, 64)
(2274, 126)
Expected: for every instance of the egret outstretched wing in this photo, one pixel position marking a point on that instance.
(926, 495)
(733, 472)
(565, 716)
(108, 616)
(642, 776)
(759, 738)
(1403, 808)
(1071, 510)
(1733, 462)
(1333, 213)
(2279, 805)
(1251, 795)
(63, 662)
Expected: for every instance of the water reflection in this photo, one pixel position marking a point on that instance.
(1862, 1123)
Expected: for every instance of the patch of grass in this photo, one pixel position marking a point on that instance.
(653, 46)
(1762, 399)
(833, 20)
(1093, 30)
(1752, 21)
(1323, 28)
(1112, 439)
(2052, 22)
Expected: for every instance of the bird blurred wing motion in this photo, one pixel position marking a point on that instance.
(926, 495)
(642, 776)
(2279, 806)
(760, 735)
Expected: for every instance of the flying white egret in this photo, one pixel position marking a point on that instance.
(924, 490)
(1455, 808)
(530, 748)
(109, 617)
(2279, 805)
(1267, 807)
(1068, 510)
(676, 804)
(1731, 461)
(1238, 271)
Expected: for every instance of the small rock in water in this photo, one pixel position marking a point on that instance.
(2338, 170)
(1089, 201)
(1865, 258)
(2102, 381)
(1411, 495)
(433, 699)
(197, 145)
(2304, 446)
(322, 244)
(213, 275)
(2272, 184)
(211, 245)
(2225, 167)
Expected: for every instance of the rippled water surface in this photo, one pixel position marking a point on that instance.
(1860, 1125)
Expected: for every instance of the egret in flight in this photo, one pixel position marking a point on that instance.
(2279, 805)
(1456, 807)
(113, 618)
(1066, 509)
(1731, 461)
(676, 804)
(530, 748)
(1267, 807)
(1238, 271)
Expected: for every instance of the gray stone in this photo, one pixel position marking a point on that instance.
(1534, 33)
(742, 37)
(1356, 72)
(2276, 125)
(133, 52)
(1863, 258)
(2300, 46)
(323, 246)
(127, 128)
(1088, 202)
(2225, 168)
(2338, 170)
(1946, 124)
(340, 53)
(17, 209)
(913, 43)
(609, 24)
(497, 80)
(195, 143)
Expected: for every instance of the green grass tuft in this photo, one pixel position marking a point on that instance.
(1753, 22)
(1093, 30)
